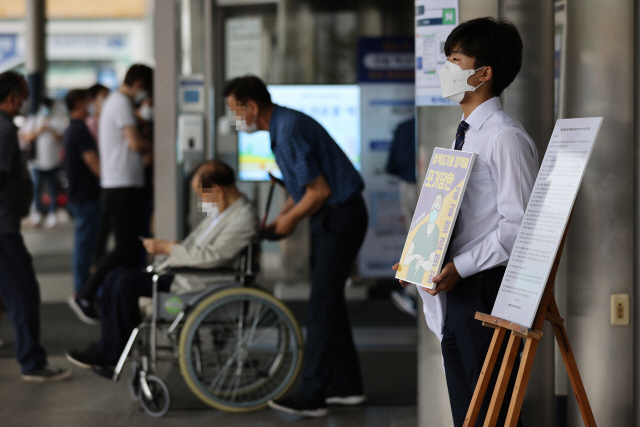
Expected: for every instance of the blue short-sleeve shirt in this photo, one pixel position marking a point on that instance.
(304, 150)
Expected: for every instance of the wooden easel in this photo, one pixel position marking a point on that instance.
(547, 310)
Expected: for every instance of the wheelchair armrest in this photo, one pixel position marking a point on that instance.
(197, 271)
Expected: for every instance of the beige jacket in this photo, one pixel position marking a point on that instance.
(220, 247)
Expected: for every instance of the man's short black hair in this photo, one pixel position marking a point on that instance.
(248, 88)
(215, 173)
(12, 82)
(491, 43)
(95, 90)
(140, 72)
(73, 97)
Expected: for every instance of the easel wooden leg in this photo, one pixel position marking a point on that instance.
(520, 387)
(485, 377)
(572, 368)
(503, 380)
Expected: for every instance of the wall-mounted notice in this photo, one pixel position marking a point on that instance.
(434, 21)
(435, 216)
(545, 220)
(244, 47)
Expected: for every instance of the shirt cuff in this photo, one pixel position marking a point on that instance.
(465, 265)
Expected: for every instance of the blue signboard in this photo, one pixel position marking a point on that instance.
(9, 54)
(386, 60)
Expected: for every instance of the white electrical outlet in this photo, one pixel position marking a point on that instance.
(620, 309)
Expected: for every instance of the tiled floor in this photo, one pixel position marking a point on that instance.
(88, 400)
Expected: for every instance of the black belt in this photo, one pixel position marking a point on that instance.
(352, 199)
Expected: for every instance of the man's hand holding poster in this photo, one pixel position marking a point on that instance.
(435, 216)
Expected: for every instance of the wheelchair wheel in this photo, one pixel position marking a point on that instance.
(239, 348)
(160, 400)
(134, 381)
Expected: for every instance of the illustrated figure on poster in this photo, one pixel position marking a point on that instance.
(424, 245)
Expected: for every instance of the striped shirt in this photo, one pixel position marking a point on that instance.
(304, 150)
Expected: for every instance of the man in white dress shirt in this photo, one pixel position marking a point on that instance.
(483, 58)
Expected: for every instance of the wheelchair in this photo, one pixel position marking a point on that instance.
(237, 346)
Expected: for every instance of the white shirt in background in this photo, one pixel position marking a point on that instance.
(48, 147)
(120, 167)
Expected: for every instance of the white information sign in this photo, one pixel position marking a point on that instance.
(545, 220)
(434, 21)
(244, 47)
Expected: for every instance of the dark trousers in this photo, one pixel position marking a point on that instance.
(121, 209)
(20, 294)
(331, 359)
(86, 220)
(120, 311)
(465, 343)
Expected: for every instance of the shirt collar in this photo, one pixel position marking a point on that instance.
(483, 112)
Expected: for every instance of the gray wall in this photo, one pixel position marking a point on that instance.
(599, 81)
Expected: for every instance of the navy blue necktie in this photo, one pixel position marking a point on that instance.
(462, 129)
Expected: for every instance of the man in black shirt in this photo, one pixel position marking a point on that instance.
(19, 288)
(83, 169)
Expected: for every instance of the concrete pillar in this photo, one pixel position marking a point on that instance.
(166, 46)
(36, 59)
(599, 81)
(530, 99)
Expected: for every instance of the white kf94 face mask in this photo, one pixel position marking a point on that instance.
(208, 208)
(453, 81)
(241, 124)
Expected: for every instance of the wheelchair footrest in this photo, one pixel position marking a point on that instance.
(103, 371)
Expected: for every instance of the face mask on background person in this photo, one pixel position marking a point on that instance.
(146, 112)
(242, 126)
(140, 96)
(45, 111)
(208, 208)
(453, 81)
(92, 109)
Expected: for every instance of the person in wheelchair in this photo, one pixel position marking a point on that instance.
(216, 243)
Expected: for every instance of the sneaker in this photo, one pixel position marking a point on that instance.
(84, 310)
(51, 221)
(297, 405)
(36, 219)
(404, 302)
(48, 374)
(345, 399)
(88, 358)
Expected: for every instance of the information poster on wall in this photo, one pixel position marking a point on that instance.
(545, 220)
(435, 19)
(435, 216)
(244, 47)
(386, 76)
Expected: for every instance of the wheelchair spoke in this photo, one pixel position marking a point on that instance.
(225, 368)
(256, 319)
